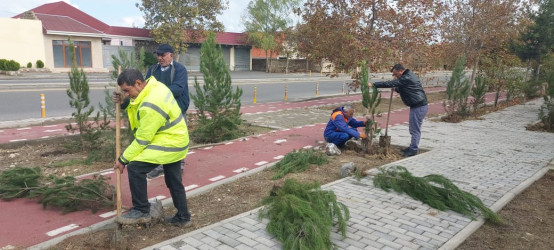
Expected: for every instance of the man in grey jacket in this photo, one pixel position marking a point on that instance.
(411, 92)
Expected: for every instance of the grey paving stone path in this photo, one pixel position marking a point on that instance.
(494, 158)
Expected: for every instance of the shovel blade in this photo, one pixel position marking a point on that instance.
(384, 141)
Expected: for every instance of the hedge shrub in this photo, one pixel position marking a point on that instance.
(12, 65)
(3, 63)
(40, 64)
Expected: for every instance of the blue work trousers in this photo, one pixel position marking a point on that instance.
(416, 119)
(338, 137)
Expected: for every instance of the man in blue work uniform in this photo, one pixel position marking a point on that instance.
(174, 76)
(342, 126)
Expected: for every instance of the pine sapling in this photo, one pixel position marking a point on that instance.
(371, 100)
(217, 104)
(457, 91)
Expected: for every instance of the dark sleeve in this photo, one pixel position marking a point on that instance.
(180, 86)
(388, 84)
(149, 71)
(125, 103)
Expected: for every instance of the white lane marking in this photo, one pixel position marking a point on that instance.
(261, 163)
(229, 143)
(217, 178)
(52, 130)
(18, 140)
(279, 157)
(159, 197)
(308, 147)
(310, 126)
(1, 131)
(27, 128)
(240, 170)
(189, 187)
(108, 214)
(44, 137)
(287, 129)
(190, 152)
(50, 126)
(280, 141)
(208, 148)
(62, 229)
(298, 127)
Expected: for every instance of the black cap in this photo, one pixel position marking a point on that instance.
(164, 48)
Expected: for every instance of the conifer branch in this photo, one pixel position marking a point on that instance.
(302, 215)
(433, 190)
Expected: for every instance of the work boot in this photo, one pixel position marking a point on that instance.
(133, 217)
(178, 222)
(409, 153)
(405, 150)
(159, 170)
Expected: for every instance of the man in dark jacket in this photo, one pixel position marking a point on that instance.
(342, 126)
(408, 86)
(174, 76)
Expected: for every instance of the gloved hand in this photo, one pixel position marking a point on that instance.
(118, 97)
(362, 136)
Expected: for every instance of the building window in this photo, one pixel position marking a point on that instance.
(62, 54)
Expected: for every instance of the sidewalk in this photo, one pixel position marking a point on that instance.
(494, 158)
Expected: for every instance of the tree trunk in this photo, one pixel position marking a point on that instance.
(538, 71)
(528, 70)
(287, 65)
(270, 59)
(266, 62)
(474, 72)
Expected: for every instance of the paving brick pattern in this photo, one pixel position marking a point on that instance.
(489, 158)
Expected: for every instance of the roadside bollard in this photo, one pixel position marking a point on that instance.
(286, 89)
(255, 92)
(343, 87)
(317, 88)
(42, 106)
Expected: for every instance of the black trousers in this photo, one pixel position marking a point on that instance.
(173, 180)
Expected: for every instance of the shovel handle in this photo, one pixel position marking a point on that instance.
(118, 149)
(388, 114)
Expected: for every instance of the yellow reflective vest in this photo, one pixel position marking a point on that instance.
(161, 134)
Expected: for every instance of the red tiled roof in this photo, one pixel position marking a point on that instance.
(230, 38)
(126, 31)
(60, 16)
(62, 8)
(64, 23)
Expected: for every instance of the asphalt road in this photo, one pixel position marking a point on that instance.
(20, 96)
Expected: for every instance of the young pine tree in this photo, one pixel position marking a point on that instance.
(78, 93)
(371, 99)
(478, 92)
(217, 104)
(457, 91)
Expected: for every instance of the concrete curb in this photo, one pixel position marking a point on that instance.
(473, 226)
(166, 202)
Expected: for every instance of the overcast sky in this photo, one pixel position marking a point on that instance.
(121, 12)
